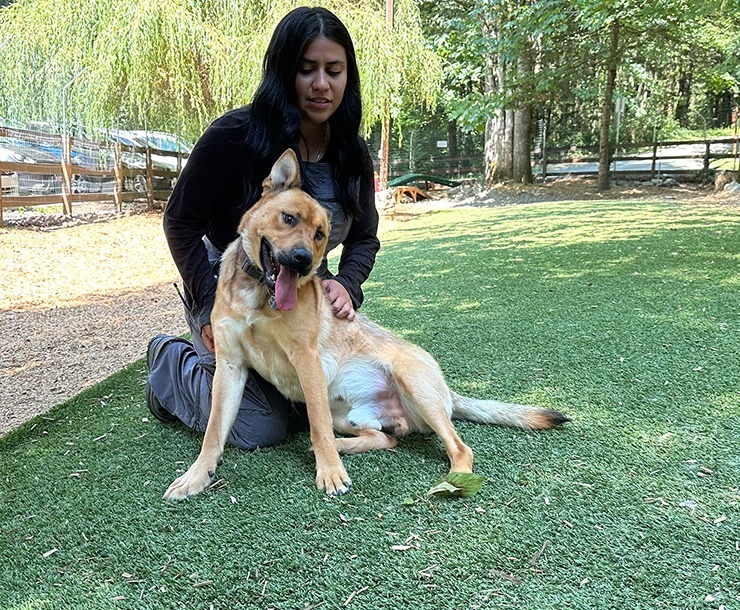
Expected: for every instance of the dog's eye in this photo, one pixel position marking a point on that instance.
(319, 235)
(289, 219)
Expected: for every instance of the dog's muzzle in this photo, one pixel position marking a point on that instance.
(282, 271)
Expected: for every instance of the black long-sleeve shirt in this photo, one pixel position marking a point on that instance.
(212, 194)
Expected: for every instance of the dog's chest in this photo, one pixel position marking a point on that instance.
(265, 355)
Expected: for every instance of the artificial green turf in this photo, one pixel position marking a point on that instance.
(624, 315)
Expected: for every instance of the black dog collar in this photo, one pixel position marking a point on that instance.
(248, 266)
(254, 271)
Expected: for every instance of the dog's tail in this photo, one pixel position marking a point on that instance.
(505, 414)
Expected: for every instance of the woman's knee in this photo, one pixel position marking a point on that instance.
(256, 429)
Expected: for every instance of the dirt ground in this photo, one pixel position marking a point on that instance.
(80, 299)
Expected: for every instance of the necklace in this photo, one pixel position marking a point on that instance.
(320, 153)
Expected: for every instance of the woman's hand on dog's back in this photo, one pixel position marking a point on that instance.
(341, 304)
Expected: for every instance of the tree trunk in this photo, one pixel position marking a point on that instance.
(522, 157)
(722, 109)
(522, 132)
(509, 133)
(490, 152)
(452, 147)
(606, 110)
(504, 146)
(491, 85)
(385, 136)
(684, 98)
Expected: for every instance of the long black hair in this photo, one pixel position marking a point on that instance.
(275, 103)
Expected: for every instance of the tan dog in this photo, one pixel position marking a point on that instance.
(271, 315)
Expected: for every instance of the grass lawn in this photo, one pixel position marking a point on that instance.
(624, 315)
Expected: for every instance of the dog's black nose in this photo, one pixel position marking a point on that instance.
(301, 260)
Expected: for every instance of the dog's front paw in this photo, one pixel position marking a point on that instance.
(195, 480)
(334, 482)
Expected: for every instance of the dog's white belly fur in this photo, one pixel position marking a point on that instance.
(364, 395)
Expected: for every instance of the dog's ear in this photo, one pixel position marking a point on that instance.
(285, 174)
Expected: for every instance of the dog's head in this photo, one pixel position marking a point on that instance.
(286, 232)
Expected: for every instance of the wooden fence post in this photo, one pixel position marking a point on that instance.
(655, 160)
(66, 175)
(118, 173)
(1, 200)
(706, 156)
(544, 163)
(544, 149)
(149, 179)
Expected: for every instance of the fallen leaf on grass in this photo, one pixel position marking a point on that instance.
(457, 484)
(444, 489)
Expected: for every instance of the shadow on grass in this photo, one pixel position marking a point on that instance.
(622, 315)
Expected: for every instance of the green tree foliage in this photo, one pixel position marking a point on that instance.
(454, 29)
(177, 64)
(673, 63)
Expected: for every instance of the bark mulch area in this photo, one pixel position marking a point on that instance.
(77, 304)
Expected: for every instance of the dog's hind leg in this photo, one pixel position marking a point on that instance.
(228, 387)
(360, 439)
(429, 402)
(365, 440)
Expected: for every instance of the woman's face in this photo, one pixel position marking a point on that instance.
(321, 80)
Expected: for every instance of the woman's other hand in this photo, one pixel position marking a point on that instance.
(207, 334)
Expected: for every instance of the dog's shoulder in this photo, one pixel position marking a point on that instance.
(228, 263)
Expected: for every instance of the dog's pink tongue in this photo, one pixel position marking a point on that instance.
(286, 289)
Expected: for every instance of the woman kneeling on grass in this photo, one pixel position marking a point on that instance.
(308, 100)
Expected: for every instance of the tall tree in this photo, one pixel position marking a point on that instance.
(484, 58)
(626, 24)
(612, 62)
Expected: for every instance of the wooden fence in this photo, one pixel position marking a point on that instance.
(643, 160)
(77, 171)
(448, 166)
(658, 154)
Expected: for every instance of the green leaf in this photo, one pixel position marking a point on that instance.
(444, 489)
(457, 484)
